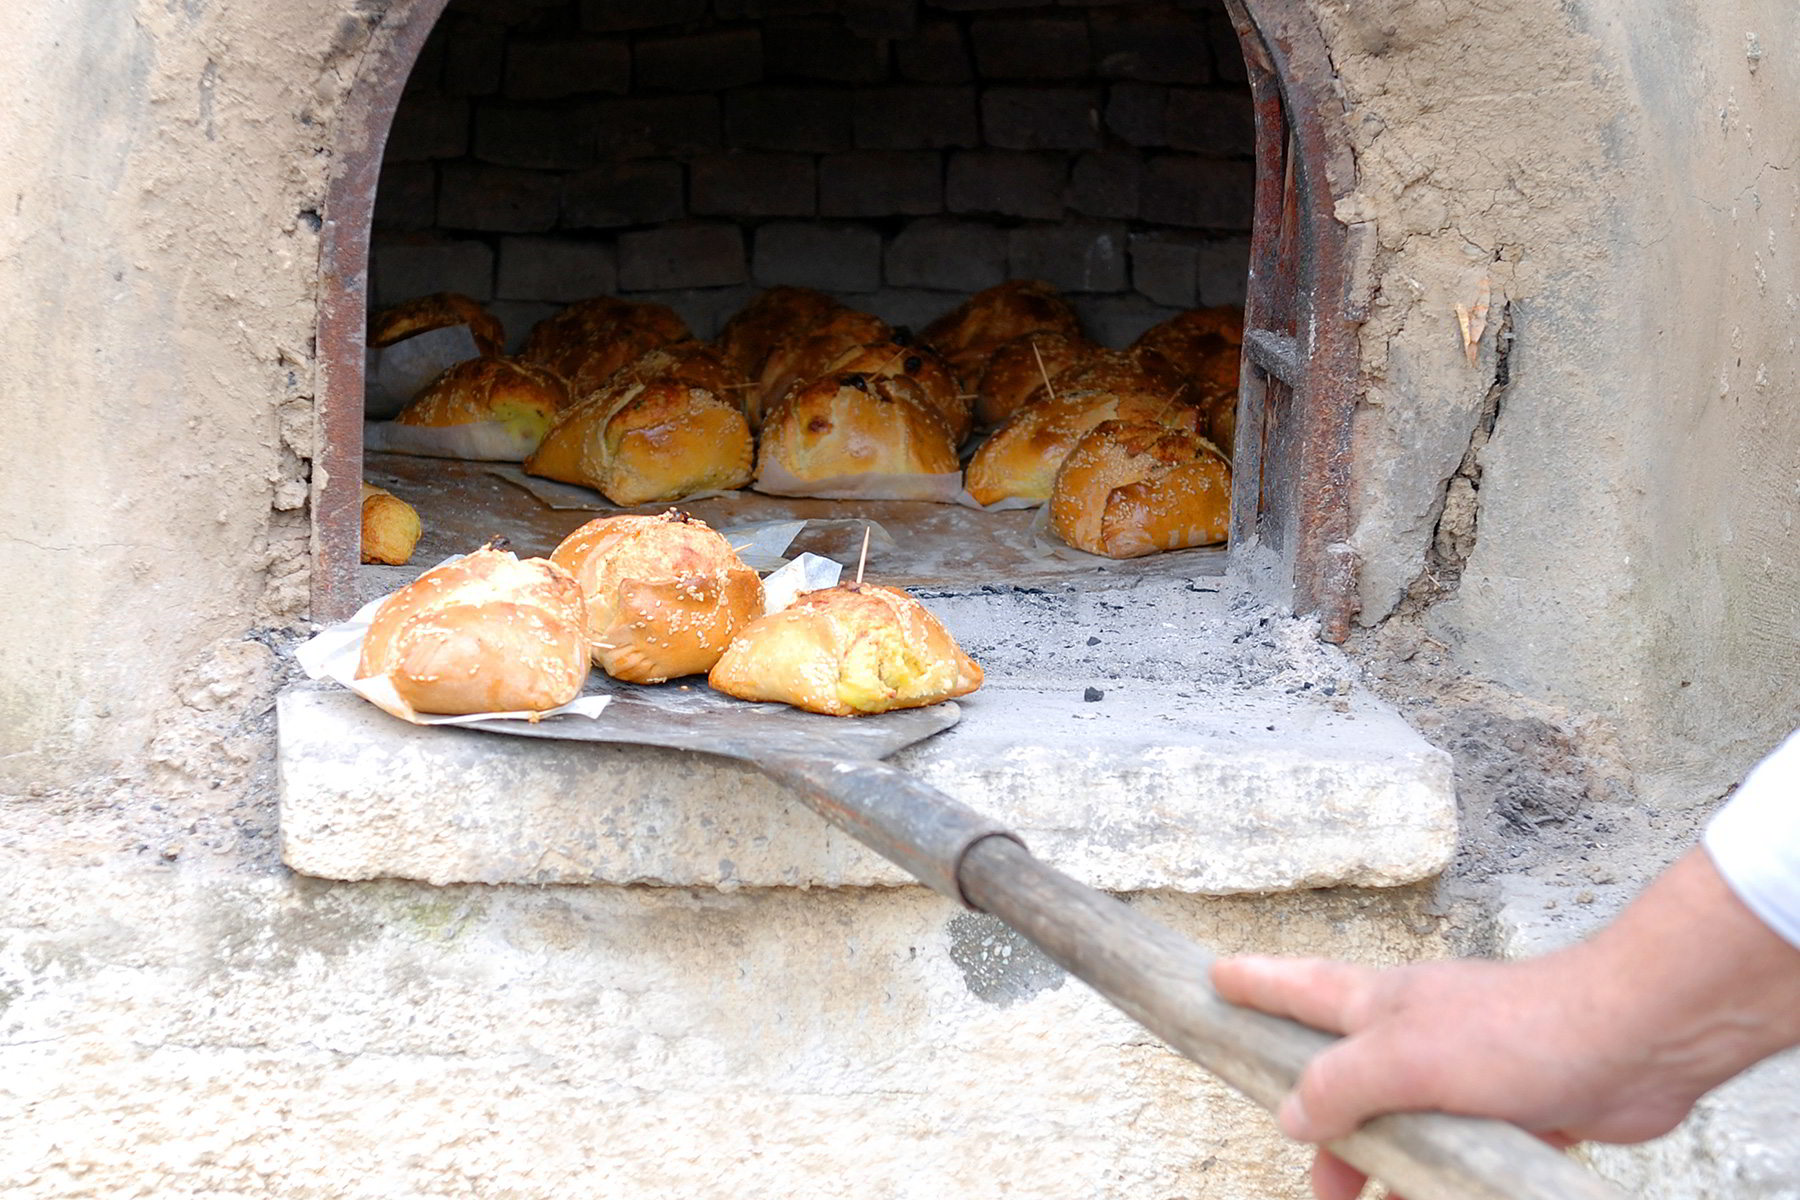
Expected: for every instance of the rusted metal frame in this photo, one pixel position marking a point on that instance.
(1299, 482)
(355, 142)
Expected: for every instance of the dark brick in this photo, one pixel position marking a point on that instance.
(938, 53)
(1200, 193)
(628, 193)
(881, 18)
(427, 126)
(427, 74)
(981, 5)
(1222, 270)
(1041, 118)
(1118, 321)
(645, 126)
(805, 120)
(682, 256)
(536, 135)
(517, 317)
(1228, 51)
(822, 48)
(1008, 183)
(734, 10)
(881, 183)
(912, 308)
(402, 268)
(1156, 45)
(832, 258)
(1222, 123)
(554, 269)
(1073, 256)
(406, 197)
(549, 68)
(916, 118)
(1106, 184)
(609, 16)
(496, 199)
(474, 55)
(1163, 267)
(1137, 113)
(711, 60)
(753, 185)
(1034, 47)
(963, 256)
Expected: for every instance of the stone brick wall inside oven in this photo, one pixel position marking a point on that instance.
(898, 154)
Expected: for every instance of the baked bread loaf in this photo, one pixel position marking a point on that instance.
(1118, 371)
(486, 633)
(783, 312)
(440, 310)
(1021, 459)
(894, 360)
(798, 359)
(664, 594)
(852, 425)
(390, 527)
(967, 335)
(1131, 488)
(693, 363)
(1204, 345)
(647, 442)
(1016, 373)
(847, 650)
(519, 395)
(591, 339)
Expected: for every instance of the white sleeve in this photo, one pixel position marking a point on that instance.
(1755, 840)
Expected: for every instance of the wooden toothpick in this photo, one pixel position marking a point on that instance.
(1049, 388)
(863, 559)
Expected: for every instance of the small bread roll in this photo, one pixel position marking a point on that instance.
(783, 312)
(891, 360)
(856, 425)
(665, 594)
(390, 527)
(1021, 459)
(588, 341)
(1017, 372)
(1131, 488)
(847, 650)
(797, 360)
(642, 443)
(441, 310)
(486, 633)
(523, 397)
(968, 334)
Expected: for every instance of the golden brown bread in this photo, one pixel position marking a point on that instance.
(486, 633)
(892, 360)
(664, 594)
(1021, 459)
(390, 527)
(775, 314)
(440, 310)
(1118, 371)
(847, 650)
(591, 339)
(646, 442)
(1016, 372)
(798, 359)
(1131, 488)
(969, 333)
(520, 395)
(1204, 345)
(854, 425)
(693, 363)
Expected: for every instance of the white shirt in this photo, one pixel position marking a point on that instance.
(1755, 840)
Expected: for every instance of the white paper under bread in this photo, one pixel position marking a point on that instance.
(776, 480)
(482, 441)
(394, 375)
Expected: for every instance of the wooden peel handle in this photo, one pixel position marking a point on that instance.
(1161, 980)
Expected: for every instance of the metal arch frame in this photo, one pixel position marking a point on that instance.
(1299, 377)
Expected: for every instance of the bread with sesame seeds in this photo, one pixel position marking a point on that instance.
(1020, 460)
(440, 310)
(664, 594)
(847, 650)
(486, 633)
(853, 425)
(1131, 488)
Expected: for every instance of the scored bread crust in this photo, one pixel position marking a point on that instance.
(440, 310)
(1016, 372)
(892, 360)
(390, 527)
(798, 359)
(518, 394)
(845, 651)
(588, 341)
(640, 442)
(775, 314)
(664, 594)
(856, 425)
(1204, 345)
(1131, 488)
(969, 333)
(486, 633)
(1021, 459)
